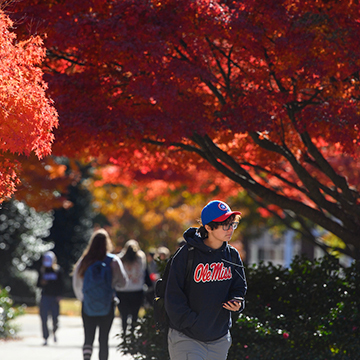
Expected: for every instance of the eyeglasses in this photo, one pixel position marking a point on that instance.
(232, 225)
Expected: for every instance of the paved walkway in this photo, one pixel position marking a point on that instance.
(70, 337)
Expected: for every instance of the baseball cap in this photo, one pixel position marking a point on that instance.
(48, 259)
(216, 211)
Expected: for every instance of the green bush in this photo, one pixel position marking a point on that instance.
(7, 313)
(146, 343)
(307, 312)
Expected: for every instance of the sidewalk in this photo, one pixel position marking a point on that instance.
(70, 337)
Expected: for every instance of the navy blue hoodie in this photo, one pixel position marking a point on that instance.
(195, 309)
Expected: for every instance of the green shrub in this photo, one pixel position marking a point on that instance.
(146, 343)
(7, 313)
(307, 312)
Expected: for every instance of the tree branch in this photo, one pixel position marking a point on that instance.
(338, 180)
(310, 183)
(218, 158)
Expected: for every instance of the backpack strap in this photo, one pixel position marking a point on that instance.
(234, 258)
(233, 254)
(190, 261)
(161, 283)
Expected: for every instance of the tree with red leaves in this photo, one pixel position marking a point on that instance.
(27, 115)
(264, 92)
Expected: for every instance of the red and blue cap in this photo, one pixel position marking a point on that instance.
(217, 211)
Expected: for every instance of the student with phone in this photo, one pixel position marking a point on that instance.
(199, 310)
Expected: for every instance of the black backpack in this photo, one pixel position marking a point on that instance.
(160, 315)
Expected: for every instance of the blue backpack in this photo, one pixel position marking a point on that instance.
(97, 288)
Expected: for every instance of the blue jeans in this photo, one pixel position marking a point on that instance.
(49, 305)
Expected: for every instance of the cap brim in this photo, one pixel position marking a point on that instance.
(225, 216)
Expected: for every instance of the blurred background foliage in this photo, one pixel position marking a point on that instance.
(8, 313)
(22, 234)
(155, 213)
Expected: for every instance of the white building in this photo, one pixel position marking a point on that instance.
(279, 250)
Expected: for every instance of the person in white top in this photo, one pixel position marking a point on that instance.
(99, 249)
(132, 296)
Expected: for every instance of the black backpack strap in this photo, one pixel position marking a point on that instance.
(233, 254)
(234, 258)
(190, 261)
(161, 283)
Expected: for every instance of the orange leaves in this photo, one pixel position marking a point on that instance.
(143, 85)
(8, 177)
(163, 70)
(27, 115)
(44, 183)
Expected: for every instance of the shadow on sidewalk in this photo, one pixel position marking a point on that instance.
(29, 342)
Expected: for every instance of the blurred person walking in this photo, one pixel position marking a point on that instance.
(132, 296)
(163, 253)
(151, 265)
(51, 282)
(152, 275)
(96, 276)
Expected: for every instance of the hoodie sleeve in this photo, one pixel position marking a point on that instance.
(77, 283)
(176, 304)
(120, 278)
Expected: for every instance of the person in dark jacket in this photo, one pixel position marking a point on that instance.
(52, 284)
(199, 310)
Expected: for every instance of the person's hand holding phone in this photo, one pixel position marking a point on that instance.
(233, 305)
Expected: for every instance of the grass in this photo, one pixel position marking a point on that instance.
(71, 307)
(68, 306)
